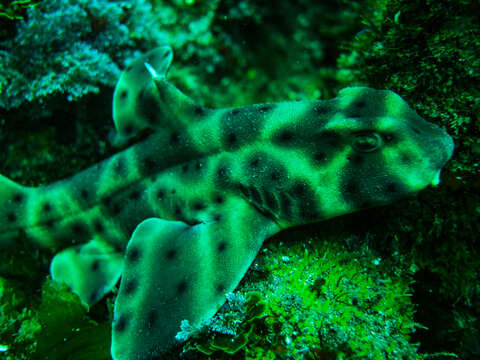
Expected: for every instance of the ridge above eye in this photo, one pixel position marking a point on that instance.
(366, 141)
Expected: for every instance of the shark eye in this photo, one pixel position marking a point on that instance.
(366, 141)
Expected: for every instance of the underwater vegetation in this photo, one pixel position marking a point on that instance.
(69, 49)
(320, 308)
(429, 52)
(397, 283)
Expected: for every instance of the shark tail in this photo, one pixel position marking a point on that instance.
(13, 210)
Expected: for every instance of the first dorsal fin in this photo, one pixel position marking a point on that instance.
(131, 87)
(145, 99)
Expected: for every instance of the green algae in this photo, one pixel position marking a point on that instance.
(55, 326)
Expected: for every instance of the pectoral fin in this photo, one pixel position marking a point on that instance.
(90, 270)
(174, 271)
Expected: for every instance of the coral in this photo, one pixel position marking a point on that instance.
(72, 48)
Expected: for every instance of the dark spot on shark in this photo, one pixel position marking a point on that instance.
(160, 194)
(79, 228)
(133, 255)
(148, 165)
(231, 139)
(182, 287)
(18, 198)
(356, 109)
(222, 246)
(174, 138)
(275, 176)
(199, 206)
(47, 207)
(129, 68)
(199, 110)
(299, 189)
(171, 254)
(218, 199)
(389, 138)
(178, 212)
(254, 162)
(116, 209)
(405, 158)
(356, 159)
(220, 288)
(240, 127)
(98, 226)
(152, 318)
(185, 168)
(119, 165)
(320, 157)
(265, 108)
(285, 136)
(135, 195)
(84, 194)
(321, 109)
(328, 137)
(50, 224)
(130, 286)
(123, 94)
(217, 217)
(391, 187)
(173, 191)
(11, 217)
(95, 266)
(120, 324)
(223, 175)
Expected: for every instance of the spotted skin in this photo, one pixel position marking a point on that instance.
(191, 205)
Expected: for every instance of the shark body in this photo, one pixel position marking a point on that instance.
(181, 216)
